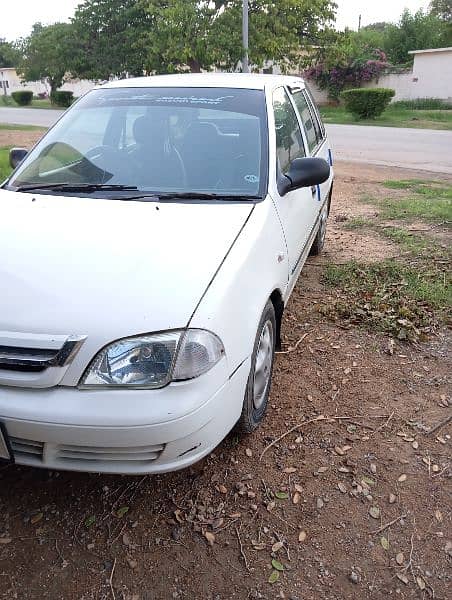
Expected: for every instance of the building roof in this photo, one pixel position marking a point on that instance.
(230, 80)
(430, 50)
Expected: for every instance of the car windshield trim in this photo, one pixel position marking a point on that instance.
(75, 187)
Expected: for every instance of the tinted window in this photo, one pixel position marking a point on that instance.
(289, 141)
(306, 118)
(158, 139)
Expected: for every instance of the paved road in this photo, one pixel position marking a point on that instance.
(420, 149)
(29, 116)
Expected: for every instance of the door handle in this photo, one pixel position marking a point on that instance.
(313, 190)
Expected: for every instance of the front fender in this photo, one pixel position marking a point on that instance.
(254, 268)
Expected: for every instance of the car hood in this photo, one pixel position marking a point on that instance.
(108, 269)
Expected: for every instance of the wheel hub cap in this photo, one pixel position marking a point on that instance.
(263, 365)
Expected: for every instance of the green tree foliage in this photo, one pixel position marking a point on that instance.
(196, 34)
(9, 54)
(416, 31)
(109, 34)
(47, 53)
(442, 9)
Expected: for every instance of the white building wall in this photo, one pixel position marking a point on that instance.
(78, 86)
(432, 75)
(401, 83)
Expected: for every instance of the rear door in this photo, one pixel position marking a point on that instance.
(298, 210)
(316, 139)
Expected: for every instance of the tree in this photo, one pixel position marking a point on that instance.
(9, 54)
(47, 54)
(198, 34)
(442, 9)
(109, 36)
(416, 31)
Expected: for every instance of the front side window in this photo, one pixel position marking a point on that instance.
(289, 141)
(311, 124)
(162, 140)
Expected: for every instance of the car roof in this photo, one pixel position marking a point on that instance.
(221, 80)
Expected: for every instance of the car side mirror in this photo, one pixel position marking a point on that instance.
(304, 172)
(16, 156)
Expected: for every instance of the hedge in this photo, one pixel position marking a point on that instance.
(22, 97)
(61, 98)
(367, 103)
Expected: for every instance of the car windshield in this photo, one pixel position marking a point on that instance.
(164, 140)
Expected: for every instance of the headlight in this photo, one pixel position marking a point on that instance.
(152, 361)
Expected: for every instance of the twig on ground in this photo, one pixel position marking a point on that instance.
(384, 424)
(242, 552)
(319, 418)
(110, 581)
(439, 425)
(383, 527)
(293, 348)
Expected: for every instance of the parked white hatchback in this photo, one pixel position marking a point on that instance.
(149, 244)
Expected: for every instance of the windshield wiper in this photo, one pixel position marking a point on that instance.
(168, 196)
(75, 187)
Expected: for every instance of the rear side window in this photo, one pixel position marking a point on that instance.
(311, 124)
(289, 141)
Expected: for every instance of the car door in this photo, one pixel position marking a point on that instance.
(298, 209)
(315, 133)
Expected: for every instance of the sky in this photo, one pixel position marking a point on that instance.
(18, 16)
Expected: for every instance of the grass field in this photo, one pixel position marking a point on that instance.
(393, 117)
(14, 127)
(5, 169)
(9, 103)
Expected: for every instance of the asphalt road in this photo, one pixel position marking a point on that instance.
(29, 116)
(420, 149)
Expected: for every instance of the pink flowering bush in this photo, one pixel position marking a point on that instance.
(348, 73)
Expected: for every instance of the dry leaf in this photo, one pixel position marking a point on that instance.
(5, 540)
(344, 470)
(339, 450)
(346, 448)
(415, 445)
(271, 505)
(347, 371)
(289, 470)
(210, 537)
(374, 512)
(277, 546)
(399, 558)
(439, 516)
(222, 489)
(384, 542)
(178, 516)
(420, 582)
(36, 518)
(235, 515)
(402, 478)
(249, 452)
(392, 499)
(322, 469)
(302, 536)
(402, 578)
(298, 488)
(320, 503)
(435, 468)
(296, 498)
(342, 487)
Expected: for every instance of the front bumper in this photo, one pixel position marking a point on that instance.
(122, 431)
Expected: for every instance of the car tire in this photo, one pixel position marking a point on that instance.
(259, 380)
(319, 240)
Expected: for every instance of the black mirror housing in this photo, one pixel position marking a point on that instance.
(16, 156)
(304, 172)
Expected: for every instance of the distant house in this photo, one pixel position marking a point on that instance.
(432, 73)
(10, 82)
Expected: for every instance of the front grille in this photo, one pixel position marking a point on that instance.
(29, 449)
(97, 454)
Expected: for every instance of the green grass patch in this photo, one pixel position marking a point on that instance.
(12, 127)
(358, 223)
(405, 301)
(5, 169)
(429, 200)
(393, 116)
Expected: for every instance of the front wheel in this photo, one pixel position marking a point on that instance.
(259, 380)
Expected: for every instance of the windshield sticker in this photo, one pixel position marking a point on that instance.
(251, 178)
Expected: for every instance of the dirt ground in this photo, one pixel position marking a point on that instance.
(356, 503)
(23, 139)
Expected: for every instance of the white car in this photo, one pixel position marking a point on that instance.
(150, 242)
